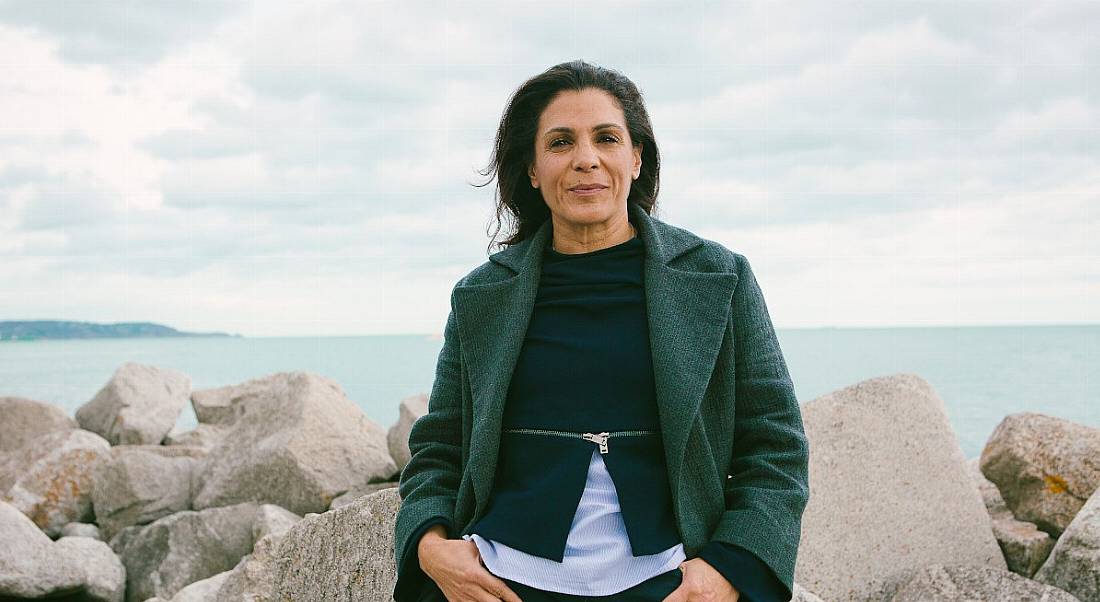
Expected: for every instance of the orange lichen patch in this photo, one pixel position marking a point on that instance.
(1055, 484)
(69, 478)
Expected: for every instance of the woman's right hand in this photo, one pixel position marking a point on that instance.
(455, 566)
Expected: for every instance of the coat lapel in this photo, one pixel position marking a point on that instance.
(687, 315)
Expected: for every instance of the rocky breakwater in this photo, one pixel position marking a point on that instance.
(896, 513)
(112, 506)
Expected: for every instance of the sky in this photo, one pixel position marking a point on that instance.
(306, 168)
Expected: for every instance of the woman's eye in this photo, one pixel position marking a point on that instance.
(609, 137)
(556, 141)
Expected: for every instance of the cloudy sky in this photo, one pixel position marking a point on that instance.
(305, 168)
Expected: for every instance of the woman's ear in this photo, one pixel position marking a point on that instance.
(531, 174)
(637, 160)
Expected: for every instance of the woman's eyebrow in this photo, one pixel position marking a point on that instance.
(567, 130)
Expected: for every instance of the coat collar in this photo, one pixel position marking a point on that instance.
(687, 310)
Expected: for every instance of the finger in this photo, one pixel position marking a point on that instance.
(499, 588)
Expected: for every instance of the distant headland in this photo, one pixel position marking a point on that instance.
(30, 330)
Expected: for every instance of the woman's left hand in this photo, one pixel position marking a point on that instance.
(702, 583)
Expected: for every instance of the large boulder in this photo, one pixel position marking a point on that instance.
(344, 555)
(172, 552)
(141, 483)
(33, 566)
(298, 443)
(969, 583)
(25, 420)
(358, 492)
(203, 590)
(1074, 564)
(1045, 467)
(50, 479)
(889, 490)
(410, 409)
(139, 404)
(1024, 546)
(205, 436)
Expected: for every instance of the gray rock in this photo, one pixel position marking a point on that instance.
(800, 594)
(204, 436)
(1044, 467)
(104, 577)
(50, 479)
(889, 490)
(1074, 564)
(272, 520)
(25, 420)
(342, 555)
(968, 583)
(358, 492)
(299, 443)
(252, 580)
(410, 409)
(1023, 545)
(141, 483)
(203, 590)
(222, 405)
(81, 530)
(33, 566)
(172, 552)
(139, 404)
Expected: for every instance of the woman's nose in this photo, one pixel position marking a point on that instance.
(584, 156)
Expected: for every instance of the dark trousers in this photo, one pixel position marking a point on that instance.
(653, 589)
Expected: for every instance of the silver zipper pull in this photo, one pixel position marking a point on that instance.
(600, 438)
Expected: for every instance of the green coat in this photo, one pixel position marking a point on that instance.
(724, 395)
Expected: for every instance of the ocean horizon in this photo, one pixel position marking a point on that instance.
(982, 373)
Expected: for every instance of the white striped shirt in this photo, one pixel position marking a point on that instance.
(597, 561)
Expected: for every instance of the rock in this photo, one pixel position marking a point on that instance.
(358, 492)
(800, 594)
(221, 405)
(33, 566)
(299, 443)
(968, 583)
(410, 410)
(172, 552)
(1044, 467)
(889, 490)
(342, 555)
(139, 404)
(141, 483)
(252, 580)
(25, 420)
(204, 436)
(203, 590)
(50, 480)
(81, 530)
(104, 577)
(272, 520)
(1074, 564)
(1023, 545)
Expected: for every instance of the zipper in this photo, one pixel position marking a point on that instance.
(600, 439)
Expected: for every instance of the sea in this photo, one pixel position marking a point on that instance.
(982, 373)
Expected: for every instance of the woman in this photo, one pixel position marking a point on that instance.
(611, 416)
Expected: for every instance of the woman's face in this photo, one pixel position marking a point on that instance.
(582, 141)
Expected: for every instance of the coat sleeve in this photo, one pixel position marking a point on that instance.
(429, 482)
(768, 485)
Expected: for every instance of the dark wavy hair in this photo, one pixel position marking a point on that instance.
(514, 148)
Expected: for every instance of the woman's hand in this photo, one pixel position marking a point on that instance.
(702, 583)
(455, 566)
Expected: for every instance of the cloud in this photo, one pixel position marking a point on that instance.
(261, 164)
(118, 31)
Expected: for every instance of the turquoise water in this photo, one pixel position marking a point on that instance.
(982, 373)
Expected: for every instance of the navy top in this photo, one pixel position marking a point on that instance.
(586, 365)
